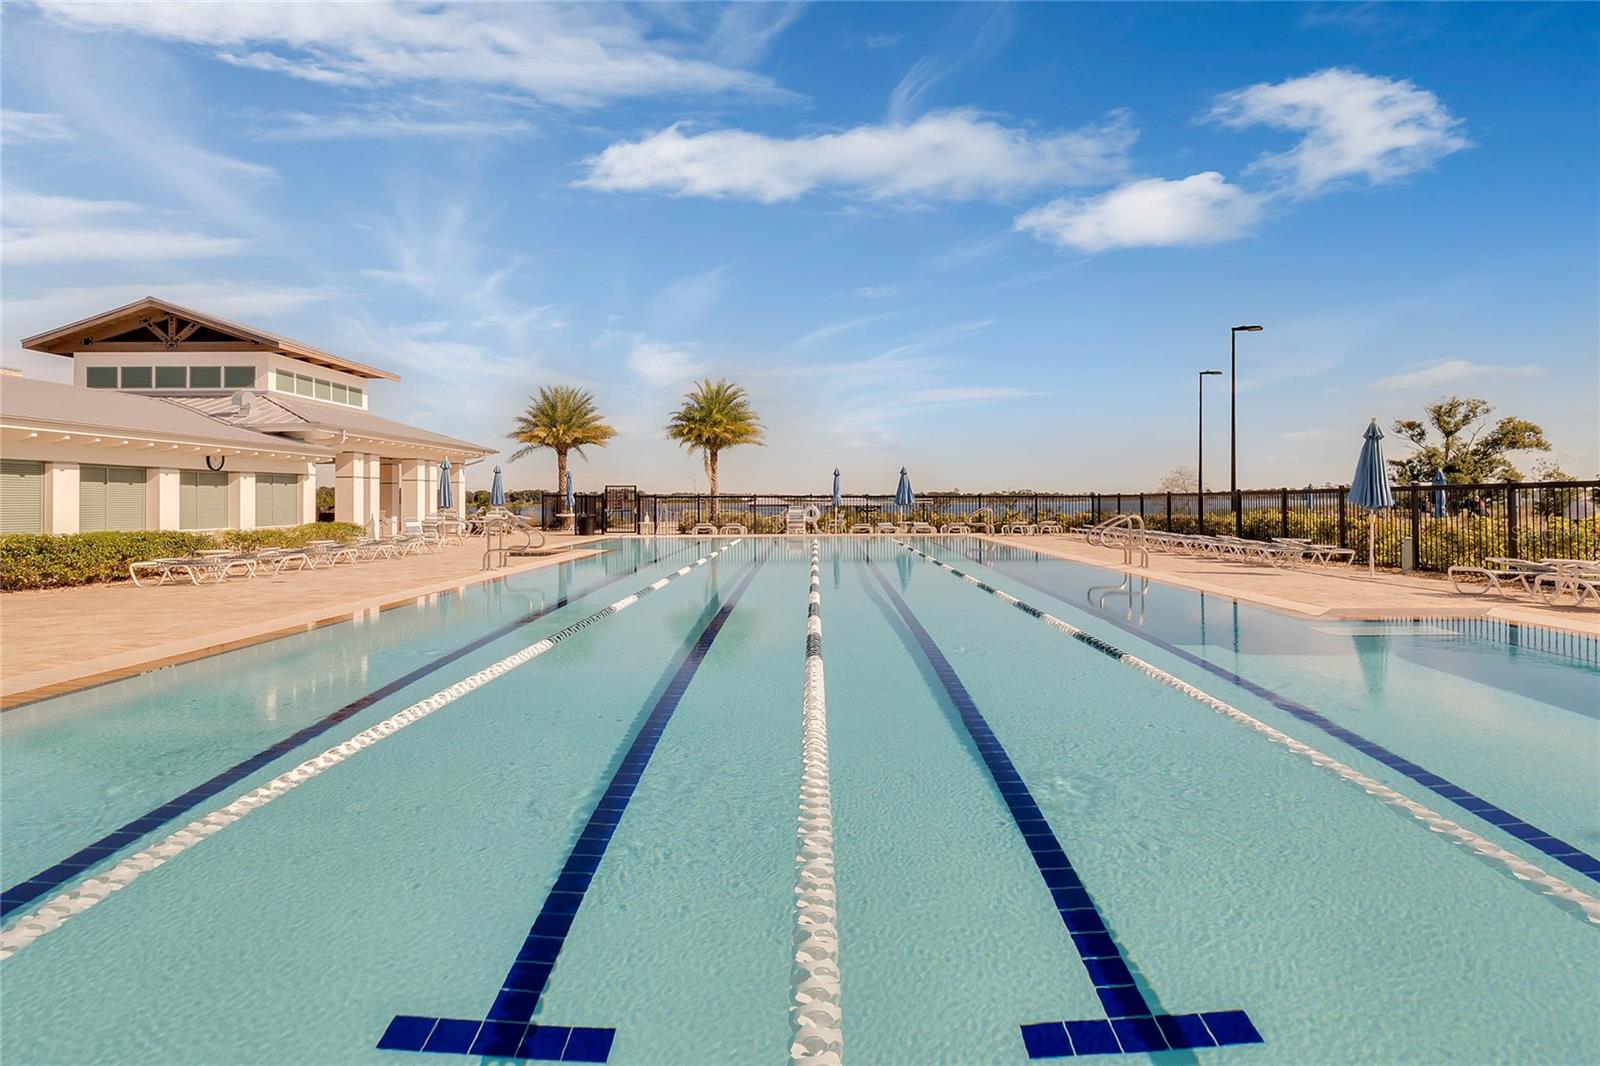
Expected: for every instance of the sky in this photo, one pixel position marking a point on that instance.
(992, 243)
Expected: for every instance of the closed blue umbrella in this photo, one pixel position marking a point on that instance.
(446, 498)
(903, 498)
(497, 491)
(1369, 487)
(838, 500)
(1438, 494)
(571, 502)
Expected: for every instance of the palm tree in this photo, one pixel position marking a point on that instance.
(564, 419)
(715, 415)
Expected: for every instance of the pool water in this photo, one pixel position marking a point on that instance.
(584, 849)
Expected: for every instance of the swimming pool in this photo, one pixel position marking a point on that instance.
(1053, 813)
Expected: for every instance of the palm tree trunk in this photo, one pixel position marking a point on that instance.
(561, 488)
(711, 477)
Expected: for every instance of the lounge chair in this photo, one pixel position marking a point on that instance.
(1048, 529)
(1318, 553)
(734, 529)
(794, 521)
(1578, 578)
(979, 521)
(921, 527)
(1502, 575)
(703, 529)
(888, 527)
(861, 527)
(1020, 529)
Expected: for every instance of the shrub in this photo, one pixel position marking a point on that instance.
(48, 560)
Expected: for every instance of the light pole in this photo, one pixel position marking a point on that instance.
(1233, 424)
(1200, 456)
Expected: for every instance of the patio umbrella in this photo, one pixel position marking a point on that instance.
(838, 499)
(1438, 494)
(1369, 487)
(571, 501)
(446, 499)
(497, 491)
(903, 498)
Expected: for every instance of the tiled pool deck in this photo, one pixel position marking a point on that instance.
(55, 641)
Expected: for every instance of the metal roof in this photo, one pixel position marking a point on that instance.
(277, 413)
(31, 404)
(69, 339)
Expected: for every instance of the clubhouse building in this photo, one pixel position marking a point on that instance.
(177, 419)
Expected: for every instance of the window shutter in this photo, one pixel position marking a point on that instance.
(125, 497)
(202, 500)
(21, 496)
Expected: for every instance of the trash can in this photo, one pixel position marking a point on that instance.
(588, 525)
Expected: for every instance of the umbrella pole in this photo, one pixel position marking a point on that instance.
(1372, 544)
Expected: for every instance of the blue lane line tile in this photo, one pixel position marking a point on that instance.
(1132, 1026)
(1185, 1031)
(1560, 851)
(1231, 1027)
(407, 1033)
(52, 879)
(529, 975)
(452, 1036)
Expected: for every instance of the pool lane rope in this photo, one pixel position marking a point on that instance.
(815, 1010)
(59, 909)
(1551, 886)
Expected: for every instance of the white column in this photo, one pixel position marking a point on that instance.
(390, 479)
(308, 494)
(374, 491)
(458, 488)
(242, 500)
(413, 489)
(61, 497)
(350, 488)
(161, 499)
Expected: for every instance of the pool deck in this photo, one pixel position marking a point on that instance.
(1322, 591)
(133, 630)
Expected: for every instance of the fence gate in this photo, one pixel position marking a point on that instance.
(621, 514)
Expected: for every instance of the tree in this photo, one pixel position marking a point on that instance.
(715, 416)
(1179, 479)
(1469, 450)
(563, 419)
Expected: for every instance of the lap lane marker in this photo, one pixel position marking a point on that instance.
(816, 1010)
(1561, 851)
(1565, 895)
(1131, 1024)
(67, 905)
(508, 1032)
(48, 880)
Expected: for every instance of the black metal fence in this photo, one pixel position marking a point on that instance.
(1447, 525)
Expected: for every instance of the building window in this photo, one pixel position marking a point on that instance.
(110, 497)
(355, 397)
(101, 377)
(239, 377)
(205, 377)
(21, 496)
(277, 499)
(172, 377)
(202, 500)
(136, 377)
(324, 389)
(303, 385)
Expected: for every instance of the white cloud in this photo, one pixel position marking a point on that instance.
(663, 365)
(19, 126)
(573, 55)
(684, 303)
(957, 155)
(1452, 371)
(822, 333)
(65, 229)
(878, 292)
(1354, 125)
(301, 126)
(1199, 209)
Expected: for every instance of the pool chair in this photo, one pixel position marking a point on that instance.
(888, 527)
(861, 527)
(1048, 529)
(1502, 575)
(280, 559)
(794, 521)
(921, 528)
(1019, 529)
(1578, 578)
(979, 521)
(703, 529)
(417, 538)
(734, 529)
(1319, 553)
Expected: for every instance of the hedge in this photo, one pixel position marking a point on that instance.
(46, 560)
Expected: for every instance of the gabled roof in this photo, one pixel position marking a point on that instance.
(46, 406)
(83, 335)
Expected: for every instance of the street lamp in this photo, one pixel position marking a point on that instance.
(1200, 458)
(1233, 424)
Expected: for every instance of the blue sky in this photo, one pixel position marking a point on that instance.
(993, 243)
